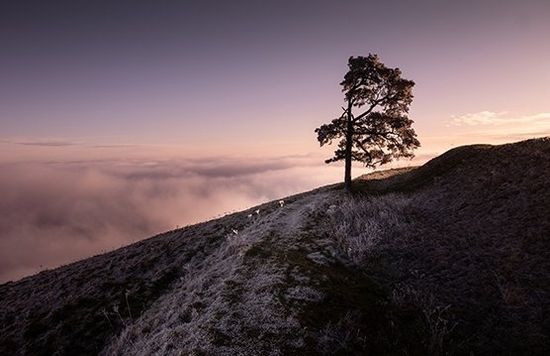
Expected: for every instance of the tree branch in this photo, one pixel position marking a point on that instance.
(369, 110)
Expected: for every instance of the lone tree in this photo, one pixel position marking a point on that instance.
(383, 131)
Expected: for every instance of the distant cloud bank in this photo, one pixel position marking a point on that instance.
(56, 213)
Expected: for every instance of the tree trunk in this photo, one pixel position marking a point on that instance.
(349, 145)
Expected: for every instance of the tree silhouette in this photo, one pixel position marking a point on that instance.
(383, 131)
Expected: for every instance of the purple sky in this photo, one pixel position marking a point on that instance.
(225, 96)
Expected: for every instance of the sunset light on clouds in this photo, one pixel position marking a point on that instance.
(122, 119)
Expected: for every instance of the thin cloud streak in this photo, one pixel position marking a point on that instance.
(55, 213)
(47, 144)
(40, 143)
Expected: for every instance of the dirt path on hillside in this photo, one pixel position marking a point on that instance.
(249, 285)
(292, 217)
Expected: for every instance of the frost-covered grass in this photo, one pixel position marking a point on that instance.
(460, 244)
(358, 223)
(464, 244)
(243, 298)
(449, 258)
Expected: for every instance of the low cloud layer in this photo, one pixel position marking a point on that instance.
(55, 213)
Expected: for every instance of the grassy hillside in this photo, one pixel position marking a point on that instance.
(448, 258)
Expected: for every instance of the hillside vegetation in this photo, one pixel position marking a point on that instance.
(448, 258)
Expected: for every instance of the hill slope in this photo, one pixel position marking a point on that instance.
(450, 257)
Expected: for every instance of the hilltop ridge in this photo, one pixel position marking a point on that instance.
(450, 257)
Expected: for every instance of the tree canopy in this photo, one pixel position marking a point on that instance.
(382, 130)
